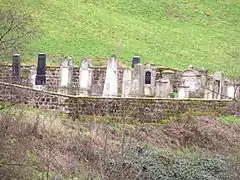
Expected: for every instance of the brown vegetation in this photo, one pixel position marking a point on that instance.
(32, 145)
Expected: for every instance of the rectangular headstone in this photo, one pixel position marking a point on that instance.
(85, 78)
(136, 60)
(127, 82)
(16, 68)
(138, 80)
(41, 70)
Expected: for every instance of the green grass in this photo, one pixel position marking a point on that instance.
(230, 119)
(172, 33)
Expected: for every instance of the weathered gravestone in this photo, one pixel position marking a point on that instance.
(149, 79)
(85, 78)
(138, 81)
(41, 70)
(183, 92)
(219, 90)
(111, 80)
(192, 79)
(127, 82)
(16, 69)
(32, 76)
(164, 86)
(66, 73)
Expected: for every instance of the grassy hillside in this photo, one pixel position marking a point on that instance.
(167, 32)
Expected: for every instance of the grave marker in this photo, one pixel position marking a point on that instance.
(16, 68)
(41, 70)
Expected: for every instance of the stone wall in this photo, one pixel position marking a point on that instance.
(146, 110)
(53, 76)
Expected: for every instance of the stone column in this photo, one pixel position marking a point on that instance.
(127, 82)
(111, 81)
(66, 73)
(41, 71)
(85, 78)
(16, 69)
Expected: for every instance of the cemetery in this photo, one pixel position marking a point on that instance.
(144, 90)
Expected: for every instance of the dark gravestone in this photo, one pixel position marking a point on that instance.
(148, 77)
(16, 68)
(136, 60)
(41, 70)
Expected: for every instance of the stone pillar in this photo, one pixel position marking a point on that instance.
(111, 81)
(138, 81)
(127, 82)
(41, 70)
(66, 73)
(136, 60)
(183, 92)
(85, 78)
(16, 69)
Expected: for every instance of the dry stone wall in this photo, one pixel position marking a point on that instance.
(145, 110)
(53, 76)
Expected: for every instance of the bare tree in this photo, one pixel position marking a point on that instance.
(17, 28)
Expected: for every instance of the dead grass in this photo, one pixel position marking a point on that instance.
(48, 143)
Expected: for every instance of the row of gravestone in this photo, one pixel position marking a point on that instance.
(41, 69)
(138, 81)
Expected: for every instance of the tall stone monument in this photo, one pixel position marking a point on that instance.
(127, 82)
(85, 78)
(66, 73)
(111, 81)
(41, 70)
(16, 69)
(138, 81)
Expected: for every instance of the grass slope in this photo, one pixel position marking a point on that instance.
(167, 32)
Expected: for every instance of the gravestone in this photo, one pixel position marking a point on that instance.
(138, 81)
(192, 79)
(183, 92)
(16, 69)
(231, 90)
(111, 81)
(66, 73)
(85, 78)
(208, 93)
(32, 76)
(41, 70)
(219, 85)
(127, 82)
(163, 88)
(98, 85)
(136, 60)
(149, 79)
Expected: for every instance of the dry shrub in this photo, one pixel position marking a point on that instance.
(33, 145)
(205, 132)
(29, 148)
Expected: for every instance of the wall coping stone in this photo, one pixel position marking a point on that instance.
(128, 98)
